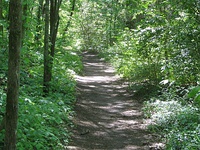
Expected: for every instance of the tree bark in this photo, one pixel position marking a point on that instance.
(11, 116)
(39, 19)
(1, 17)
(70, 17)
(47, 75)
(54, 23)
(2, 124)
(49, 54)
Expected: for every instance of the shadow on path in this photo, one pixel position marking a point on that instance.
(107, 117)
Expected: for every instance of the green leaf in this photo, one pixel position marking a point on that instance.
(194, 92)
(197, 99)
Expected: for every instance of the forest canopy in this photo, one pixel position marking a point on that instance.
(153, 44)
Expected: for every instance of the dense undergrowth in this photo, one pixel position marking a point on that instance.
(153, 44)
(160, 58)
(164, 74)
(44, 121)
(176, 118)
(172, 111)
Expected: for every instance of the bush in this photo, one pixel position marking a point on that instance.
(43, 122)
(178, 122)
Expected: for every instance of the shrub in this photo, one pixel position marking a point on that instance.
(178, 122)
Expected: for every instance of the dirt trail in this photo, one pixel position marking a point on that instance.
(107, 116)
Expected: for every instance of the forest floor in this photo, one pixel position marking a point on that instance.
(107, 116)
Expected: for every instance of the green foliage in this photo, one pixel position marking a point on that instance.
(195, 94)
(143, 90)
(178, 122)
(2, 102)
(162, 44)
(148, 42)
(155, 46)
(43, 122)
(185, 140)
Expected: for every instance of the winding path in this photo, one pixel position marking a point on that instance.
(107, 117)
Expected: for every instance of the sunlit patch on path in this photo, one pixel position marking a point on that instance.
(107, 116)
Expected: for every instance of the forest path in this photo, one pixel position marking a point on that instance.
(107, 117)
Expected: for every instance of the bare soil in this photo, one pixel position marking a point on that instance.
(107, 116)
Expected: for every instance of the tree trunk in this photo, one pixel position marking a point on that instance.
(47, 70)
(54, 23)
(39, 19)
(1, 17)
(15, 17)
(49, 55)
(70, 17)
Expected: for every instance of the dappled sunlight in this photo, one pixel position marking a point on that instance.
(106, 115)
(94, 64)
(88, 123)
(129, 113)
(88, 79)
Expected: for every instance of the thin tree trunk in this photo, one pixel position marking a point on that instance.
(54, 23)
(15, 17)
(2, 124)
(70, 17)
(1, 17)
(39, 18)
(47, 76)
(49, 55)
